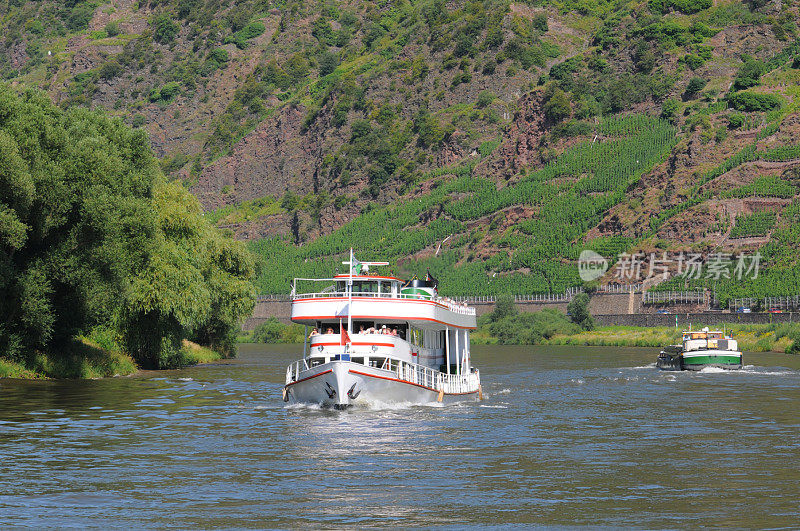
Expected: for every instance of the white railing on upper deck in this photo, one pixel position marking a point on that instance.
(451, 305)
(411, 373)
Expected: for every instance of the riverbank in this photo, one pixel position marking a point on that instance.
(90, 358)
(751, 338)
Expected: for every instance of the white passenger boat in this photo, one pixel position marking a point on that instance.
(380, 340)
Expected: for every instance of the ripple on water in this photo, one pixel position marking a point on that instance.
(595, 437)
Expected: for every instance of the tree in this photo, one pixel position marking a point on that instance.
(504, 307)
(749, 74)
(92, 235)
(75, 219)
(696, 84)
(485, 98)
(164, 29)
(578, 310)
(557, 107)
(195, 284)
(328, 63)
(670, 108)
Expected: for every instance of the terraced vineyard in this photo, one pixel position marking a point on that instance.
(535, 255)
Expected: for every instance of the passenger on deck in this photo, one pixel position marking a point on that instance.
(394, 332)
(384, 331)
(313, 333)
(329, 330)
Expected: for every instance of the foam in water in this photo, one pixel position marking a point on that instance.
(713, 370)
(648, 366)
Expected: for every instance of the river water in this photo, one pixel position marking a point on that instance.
(565, 436)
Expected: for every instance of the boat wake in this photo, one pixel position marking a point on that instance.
(375, 405)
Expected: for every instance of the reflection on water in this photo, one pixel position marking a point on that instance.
(594, 436)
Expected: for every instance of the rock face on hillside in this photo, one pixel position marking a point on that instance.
(272, 159)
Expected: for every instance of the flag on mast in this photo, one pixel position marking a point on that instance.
(344, 337)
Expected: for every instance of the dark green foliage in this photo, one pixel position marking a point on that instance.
(112, 29)
(578, 311)
(749, 74)
(539, 22)
(504, 307)
(556, 105)
(328, 63)
(526, 328)
(251, 31)
(430, 132)
(750, 101)
(80, 16)
(572, 128)
(735, 120)
(696, 84)
(90, 235)
(164, 29)
(75, 185)
(684, 6)
(273, 331)
(485, 98)
(110, 69)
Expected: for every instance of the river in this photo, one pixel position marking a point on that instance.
(564, 436)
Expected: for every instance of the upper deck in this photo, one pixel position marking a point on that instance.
(379, 298)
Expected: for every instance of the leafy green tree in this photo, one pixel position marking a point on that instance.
(328, 63)
(75, 219)
(670, 108)
(164, 29)
(195, 284)
(556, 107)
(696, 84)
(504, 307)
(485, 98)
(578, 311)
(749, 74)
(90, 234)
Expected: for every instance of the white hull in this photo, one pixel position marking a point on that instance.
(340, 384)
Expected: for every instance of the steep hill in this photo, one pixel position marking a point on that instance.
(491, 141)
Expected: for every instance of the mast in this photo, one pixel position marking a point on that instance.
(350, 297)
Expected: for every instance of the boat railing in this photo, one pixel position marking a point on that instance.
(294, 369)
(433, 379)
(453, 306)
(412, 373)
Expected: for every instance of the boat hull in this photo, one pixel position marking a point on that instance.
(341, 384)
(696, 361)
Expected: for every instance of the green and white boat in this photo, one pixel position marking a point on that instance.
(701, 349)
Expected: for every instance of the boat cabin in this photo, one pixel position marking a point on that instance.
(706, 339)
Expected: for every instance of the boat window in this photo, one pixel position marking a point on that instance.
(365, 286)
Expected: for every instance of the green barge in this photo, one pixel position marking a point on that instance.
(701, 349)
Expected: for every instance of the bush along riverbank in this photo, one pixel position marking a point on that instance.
(96, 355)
(100, 255)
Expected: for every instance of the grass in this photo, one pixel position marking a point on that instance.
(90, 358)
(195, 354)
(82, 358)
(751, 338)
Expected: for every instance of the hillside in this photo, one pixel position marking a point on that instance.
(491, 141)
